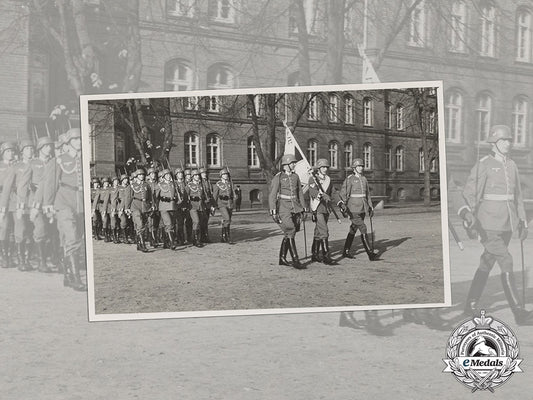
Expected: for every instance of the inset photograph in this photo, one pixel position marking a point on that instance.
(261, 201)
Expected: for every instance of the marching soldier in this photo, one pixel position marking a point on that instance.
(140, 205)
(188, 176)
(494, 207)
(153, 216)
(355, 200)
(7, 152)
(63, 196)
(238, 198)
(320, 192)
(223, 197)
(104, 207)
(182, 211)
(166, 195)
(210, 206)
(197, 200)
(96, 217)
(123, 199)
(286, 201)
(114, 226)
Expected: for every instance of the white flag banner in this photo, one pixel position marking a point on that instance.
(369, 74)
(303, 169)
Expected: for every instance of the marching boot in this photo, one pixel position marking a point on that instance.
(166, 244)
(2, 255)
(76, 282)
(315, 250)
(68, 277)
(142, 244)
(326, 257)
(24, 264)
(107, 233)
(181, 239)
(294, 255)
(228, 236)
(116, 238)
(197, 238)
(171, 240)
(42, 257)
(521, 315)
(283, 252)
(476, 289)
(372, 256)
(347, 245)
(223, 237)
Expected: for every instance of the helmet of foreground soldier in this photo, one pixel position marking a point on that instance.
(123, 176)
(498, 132)
(195, 172)
(287, 159)
(138, 172)
(203, 170)
(178, 171)
(43, 141)
(106, 180)
(162, 173)
(7, 146)
(72, 133)
(358, 162)
(151, 170)
(224, 171)
(322, 162)
(25, 143)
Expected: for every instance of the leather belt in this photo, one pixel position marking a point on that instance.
(357, 195)
(287, 197)
(498, 197)
(195, 198)
(224, 197)
(136, 198)
(166, 199)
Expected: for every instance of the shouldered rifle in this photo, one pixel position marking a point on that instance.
(322, 192)
(176, 189)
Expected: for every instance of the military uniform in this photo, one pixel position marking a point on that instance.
(238, 198)
(154, 216)
(113, 202)
(182, 210)
(197, 206)
(96, 217)
(104, 207)
(493, 205)
(6, 212)
(166, 197)
(223, 198)
(140, 206)
(123, 199)
(210, 205)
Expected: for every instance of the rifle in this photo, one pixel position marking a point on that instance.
(329, 207)
(455, 235)
(176, 190)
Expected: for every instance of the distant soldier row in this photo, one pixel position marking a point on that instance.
(41, 206)
(137, 208)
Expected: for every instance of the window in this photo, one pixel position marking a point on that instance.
(388, 158)
(453, 107)
(253, 160)
(457, 38)
(259, 105)
(399, 158)
(417, 26)
(213, 104)
(310, 11)
(213, 150)
(432, 121)
(523, 38)
(220, 76)
(433, 166)
(191, 103)
(222, 10)
(488, 31)
(388, 116)
(399, 117)
(484, 108)
(38, 83)
(421, 165)
(333, 149)
(312, 111)
(333, 109)
(520, 107)
(312, 150)
(191, 149)
(282, 106)
(348, 154)
(349, 109)
(181, 8)
(178, 75)
(368, 111)
(367, 155)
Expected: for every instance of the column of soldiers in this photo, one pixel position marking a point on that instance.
(161, 206)
(41, 206)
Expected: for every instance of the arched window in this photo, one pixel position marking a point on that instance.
(433, 165)
(191, 149)
(417, 25)
(368, 111)
(454, 111)
(399, 158)
(313, 109)
(488, 30)
(457, 38)
(220, 76)
(520, 110)
(388, 116)
(388, 158)
(213, 154)
(523, 36)
(213, 104)
(333, 149)
(349, 109)
(222, 10)
(253, 160)
(399, 118)
(191, 103)
(333, 109)
(367, 155)
(182, 8)
(178, 75)
(312, 150)
(348, 154)
(421, 165)
(484, 111)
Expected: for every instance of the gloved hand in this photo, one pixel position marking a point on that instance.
(213, 209)
(342, 207)
(522, 230)
(275, 216)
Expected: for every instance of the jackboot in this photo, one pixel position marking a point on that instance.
(172, 244)
(474, 294)
(372, 256)
(223, 237)
(228, 236)
(521, 315)
(76, 282)
(197, 238)
(23, 262)
(68, 277)
(326, 255)
(315, 250)
(141, 245)
(283, 252)
(3, 258)
(42, 258)
(347, 245)
(116, 238)
(294, 255)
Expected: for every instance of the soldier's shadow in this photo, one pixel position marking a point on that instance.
(380, 246)
(244, 233)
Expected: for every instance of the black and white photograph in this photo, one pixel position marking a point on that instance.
(263, 202)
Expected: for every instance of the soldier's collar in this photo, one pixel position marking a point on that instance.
(498, 156)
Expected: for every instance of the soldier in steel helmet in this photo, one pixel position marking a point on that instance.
(63, 198)
(114, 223)
(166, 195)
(210, 205)
(123, 214)
(153, 215)
(104, 207)
(493, 205)
(356, 201)
(95, 198)
(197, 205)
(223, 197)
(320, 189)
(182, 207)
(7, 153)
(287, 207)
(140, 205)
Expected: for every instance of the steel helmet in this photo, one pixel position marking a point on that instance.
(498, 132)
(322, 162)
(72, 133)
(7, 146)
(25, 143)
(287, 159)
(164, 172)
(195, 172)
(357, 162)
(224, 171)
(43, 141)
